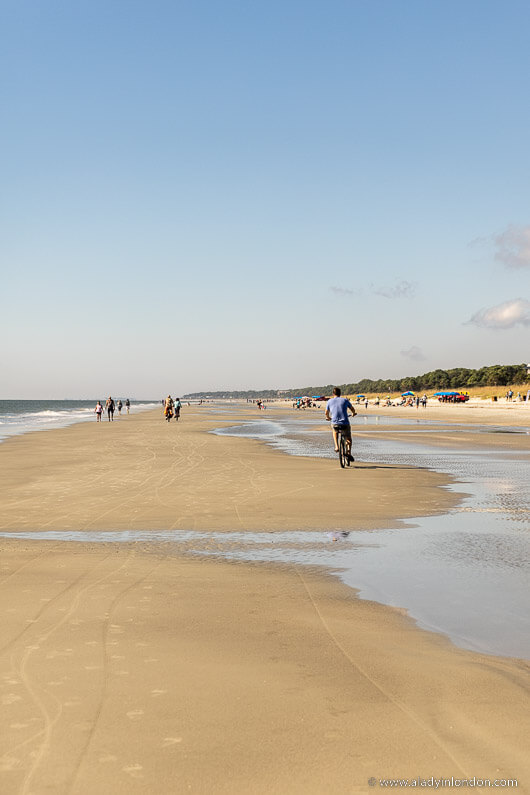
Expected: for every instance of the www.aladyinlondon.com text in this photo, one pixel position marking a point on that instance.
(437, 783)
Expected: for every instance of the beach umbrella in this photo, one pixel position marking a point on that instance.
(403, 394)
(360, 395)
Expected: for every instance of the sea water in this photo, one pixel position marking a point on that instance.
(23, 416)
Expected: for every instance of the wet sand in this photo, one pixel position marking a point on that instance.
(143, 473)
(127, 668)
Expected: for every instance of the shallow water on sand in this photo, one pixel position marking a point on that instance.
(465, 573)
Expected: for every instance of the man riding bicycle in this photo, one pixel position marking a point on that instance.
(337, 412)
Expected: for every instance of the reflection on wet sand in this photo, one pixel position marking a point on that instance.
(464, 573)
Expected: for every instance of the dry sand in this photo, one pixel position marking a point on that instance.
(129, 669)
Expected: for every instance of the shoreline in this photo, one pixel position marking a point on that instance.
(130, 668)
(149, 483)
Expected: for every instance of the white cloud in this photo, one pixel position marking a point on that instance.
(414, 353)
(513, 247)
(342, 291)
(503, 316)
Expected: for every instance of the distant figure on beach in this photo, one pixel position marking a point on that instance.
(127, 405)
(168, 408)
(337, 413)
(99, 411)
(177, 407)
(120, 406)
(109, 405)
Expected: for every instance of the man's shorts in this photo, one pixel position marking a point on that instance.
(345, 429)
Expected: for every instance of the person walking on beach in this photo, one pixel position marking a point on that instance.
(127, 405)
(120, 406)
(168, 408)
(99, 411)
(109, 405)
(177, 407)
(337, 413)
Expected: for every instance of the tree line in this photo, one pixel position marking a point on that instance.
(456, 378)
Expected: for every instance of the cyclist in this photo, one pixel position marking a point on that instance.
(337, 412)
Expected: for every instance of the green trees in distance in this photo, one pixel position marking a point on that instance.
(457, 378)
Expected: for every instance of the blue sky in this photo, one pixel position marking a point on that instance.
(235, 195)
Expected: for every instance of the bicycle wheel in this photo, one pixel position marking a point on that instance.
(343, 455)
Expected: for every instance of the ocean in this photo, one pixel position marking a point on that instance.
(24, 416)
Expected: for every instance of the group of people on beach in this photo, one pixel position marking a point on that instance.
(110, 408)
(172, 408)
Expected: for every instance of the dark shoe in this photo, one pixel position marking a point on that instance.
(351, 459)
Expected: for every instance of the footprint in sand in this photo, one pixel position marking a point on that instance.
(10, 698)
(8, 763)
(134, 771)
(169, 741)
(58, 653)
(156, 693)
(135, 714)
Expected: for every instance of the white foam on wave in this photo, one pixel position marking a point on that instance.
(47, 419)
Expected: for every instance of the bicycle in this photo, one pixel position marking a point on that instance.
(345, 458)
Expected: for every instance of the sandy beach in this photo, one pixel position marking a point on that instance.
(130, 668)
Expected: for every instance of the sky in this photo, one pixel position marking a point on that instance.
(246, 195)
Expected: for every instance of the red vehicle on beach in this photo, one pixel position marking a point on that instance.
(451, 397)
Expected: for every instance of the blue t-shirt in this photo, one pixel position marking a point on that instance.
(338, 408)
